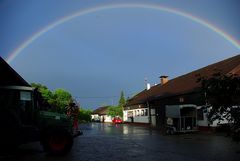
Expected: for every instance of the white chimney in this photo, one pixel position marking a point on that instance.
(148, 86)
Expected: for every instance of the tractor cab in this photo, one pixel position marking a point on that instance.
(23, 119)
(20, 100)
(24, 116)
(17, 115)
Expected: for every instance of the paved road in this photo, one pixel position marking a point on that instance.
(107, 142)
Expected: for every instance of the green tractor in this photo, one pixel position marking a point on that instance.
(24, 120)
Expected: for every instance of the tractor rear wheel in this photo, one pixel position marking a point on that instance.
(57, 142)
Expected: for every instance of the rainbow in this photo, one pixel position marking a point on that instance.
(195, 19)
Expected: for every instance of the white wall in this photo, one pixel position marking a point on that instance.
(94, 116)
(140, 115)
(105, 118)
(205, 121)
(125, 118)
(141, 119)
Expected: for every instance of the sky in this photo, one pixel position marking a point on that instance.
(96, 49)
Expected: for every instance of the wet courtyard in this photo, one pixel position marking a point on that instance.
(109, 142)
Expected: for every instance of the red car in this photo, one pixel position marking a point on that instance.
(117, 120)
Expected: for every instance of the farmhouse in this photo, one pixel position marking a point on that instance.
(100, 115)
(178, 102)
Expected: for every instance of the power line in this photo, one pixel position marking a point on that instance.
(90, 97)
(99, 97)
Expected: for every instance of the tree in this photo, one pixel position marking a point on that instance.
(45, 92)
(223, 99)
(84, 115)
(122, 100)
(115, 111)
(58, 99)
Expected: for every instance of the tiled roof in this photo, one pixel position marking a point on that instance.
(9, 77)
(186, 83)
(101, 110)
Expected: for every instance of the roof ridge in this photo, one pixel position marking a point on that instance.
(228, 65)
(206, 67)
(14, 72)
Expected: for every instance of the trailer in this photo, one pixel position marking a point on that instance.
(181, 118)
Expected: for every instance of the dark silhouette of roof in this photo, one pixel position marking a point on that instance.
(9, 77)
(101, 110)
(186, 83)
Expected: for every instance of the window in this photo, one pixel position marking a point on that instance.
(142, 112)
(146, 112)
(25, 96)
(18, 102)
(130, 114)
(138, 113)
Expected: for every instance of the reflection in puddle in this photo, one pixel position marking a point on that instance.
(125, 130)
